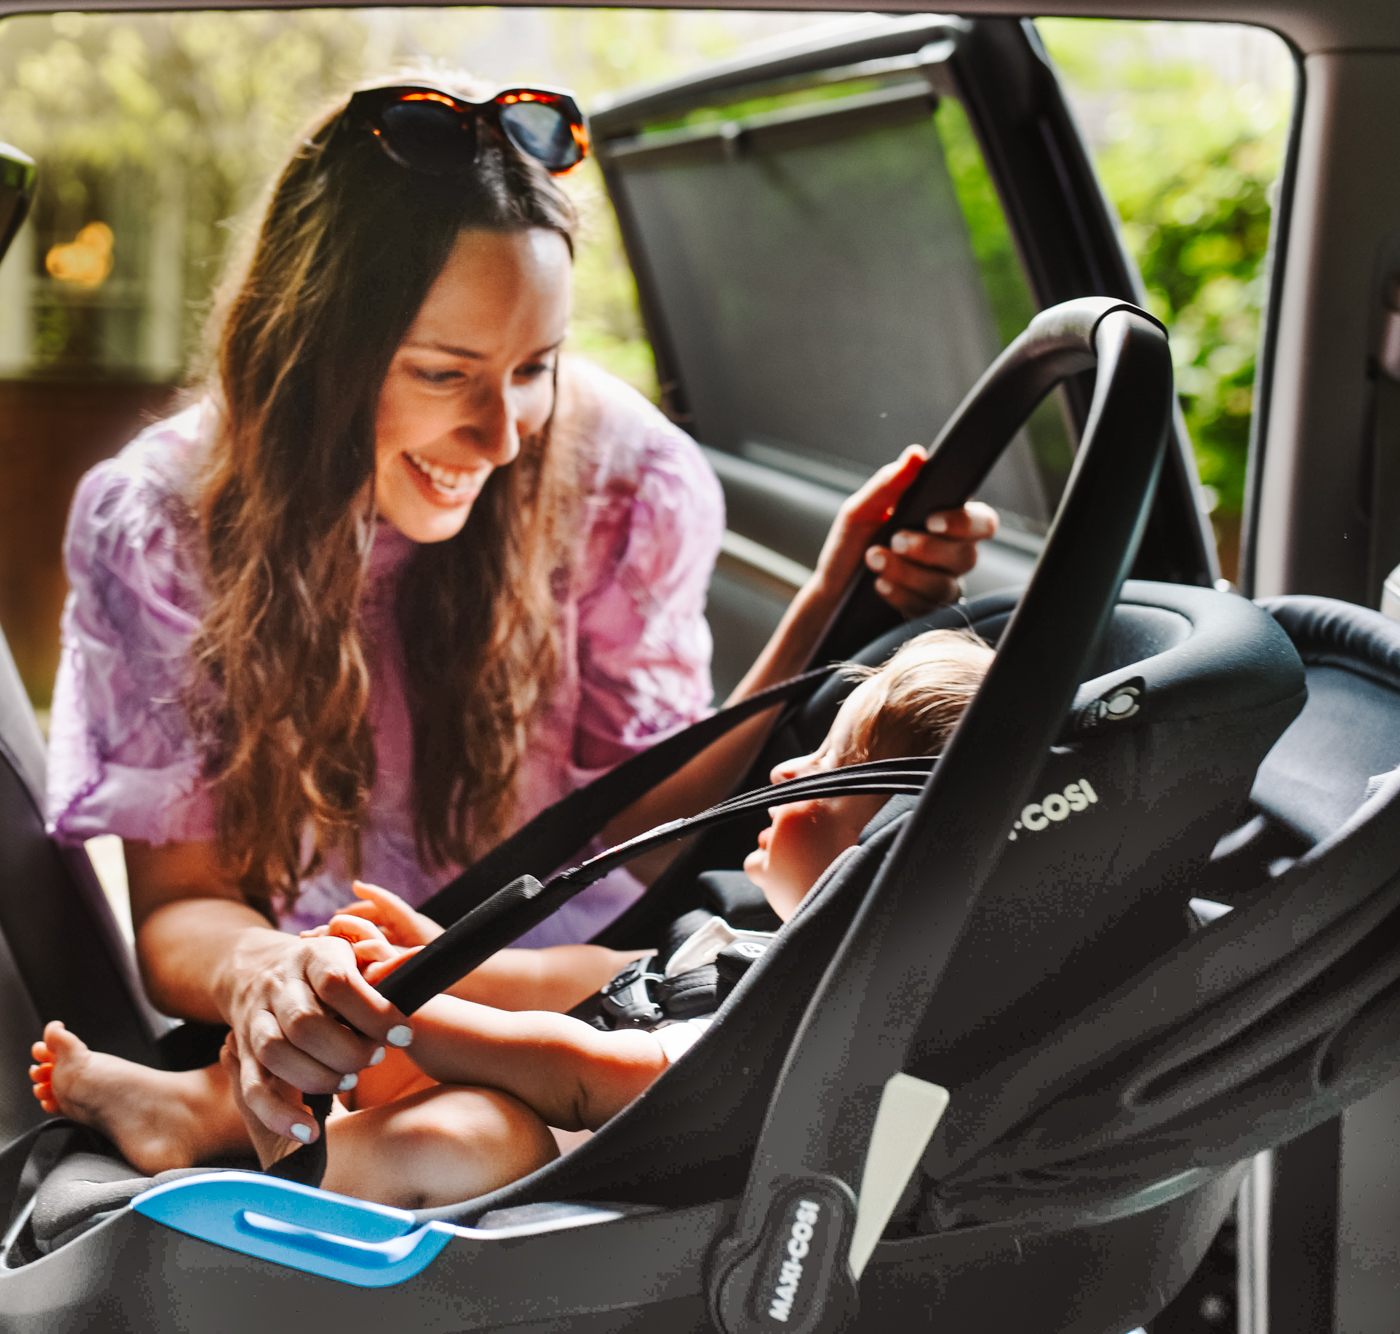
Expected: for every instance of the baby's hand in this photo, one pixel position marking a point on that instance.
(376, 956)
(399, 923)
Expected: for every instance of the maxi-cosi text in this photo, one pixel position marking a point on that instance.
(1038, 815)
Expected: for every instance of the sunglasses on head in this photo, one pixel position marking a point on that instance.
(428, 130)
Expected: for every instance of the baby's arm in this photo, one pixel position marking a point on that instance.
(556, 978)
(575, 1077)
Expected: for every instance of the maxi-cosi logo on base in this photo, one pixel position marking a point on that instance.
(799, 1241)
(1057, 806)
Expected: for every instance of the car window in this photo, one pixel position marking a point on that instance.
(818, 351)
(831, 276)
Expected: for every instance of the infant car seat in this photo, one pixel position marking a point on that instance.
(966, 942)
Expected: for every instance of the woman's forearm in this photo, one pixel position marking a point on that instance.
(188, 951)
(709, 777)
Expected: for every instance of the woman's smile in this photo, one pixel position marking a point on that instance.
(448, 487)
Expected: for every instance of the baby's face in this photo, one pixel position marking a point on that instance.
(805, 837)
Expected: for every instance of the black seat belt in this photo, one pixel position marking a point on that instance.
(559, 831)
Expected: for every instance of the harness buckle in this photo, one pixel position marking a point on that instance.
(627, 1001)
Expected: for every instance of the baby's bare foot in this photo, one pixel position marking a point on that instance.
(158, 1119)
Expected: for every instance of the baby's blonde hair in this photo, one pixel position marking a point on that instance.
(918, 695)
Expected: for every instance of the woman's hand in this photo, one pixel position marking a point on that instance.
(918, 571)
(300, 1010)
(304, 1019)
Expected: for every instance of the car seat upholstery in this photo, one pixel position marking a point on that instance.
(1277, 1015)
(62, 955)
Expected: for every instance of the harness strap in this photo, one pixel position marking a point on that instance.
(559, 831)
(525, 902)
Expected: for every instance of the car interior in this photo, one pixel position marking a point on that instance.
(1098, 1029)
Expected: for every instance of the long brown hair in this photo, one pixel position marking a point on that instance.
(303, 334)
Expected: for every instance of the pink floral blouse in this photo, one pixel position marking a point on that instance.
(122, 759)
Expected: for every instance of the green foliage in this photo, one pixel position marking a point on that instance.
(1189, 157)
(134, 114)
(1010, 297)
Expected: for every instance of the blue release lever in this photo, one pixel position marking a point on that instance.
(351, 1241)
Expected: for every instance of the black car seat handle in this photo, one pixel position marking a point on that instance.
(876, 991)
(1057, 344)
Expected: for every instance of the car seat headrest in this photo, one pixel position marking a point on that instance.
(1318, 774)
(1186, 650)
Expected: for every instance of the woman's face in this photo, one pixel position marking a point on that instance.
(474, 374)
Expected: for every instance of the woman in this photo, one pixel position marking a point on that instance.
(401, 579)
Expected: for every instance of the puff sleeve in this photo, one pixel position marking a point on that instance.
(122, 756)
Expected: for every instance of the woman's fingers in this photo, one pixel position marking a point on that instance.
(919, 570)
(335, 978)
(913, 590)
(974, 522)
(312, 1019)
(297, 1041)
(274, 1102)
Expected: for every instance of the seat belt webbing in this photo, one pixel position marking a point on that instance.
(559, 831)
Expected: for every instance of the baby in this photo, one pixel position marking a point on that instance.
(473, 1107)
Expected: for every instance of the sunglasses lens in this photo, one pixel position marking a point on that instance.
(543, 132)
(428, 136)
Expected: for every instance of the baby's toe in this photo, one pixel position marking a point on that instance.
(62, 1043)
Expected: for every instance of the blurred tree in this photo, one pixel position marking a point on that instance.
(1188, 142)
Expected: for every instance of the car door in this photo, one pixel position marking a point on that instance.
(831, 241)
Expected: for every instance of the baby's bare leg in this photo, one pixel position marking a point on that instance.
(433, 1146)
(158, 1119)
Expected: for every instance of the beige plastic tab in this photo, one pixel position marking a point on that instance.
(910, 1110)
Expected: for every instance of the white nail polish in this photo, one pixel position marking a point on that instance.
(900, 543)
(378, 1056)
(875, 559)
(883, 587)
(936, 524)
(301, 1132)
(348, 1083)
(399, 1036)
